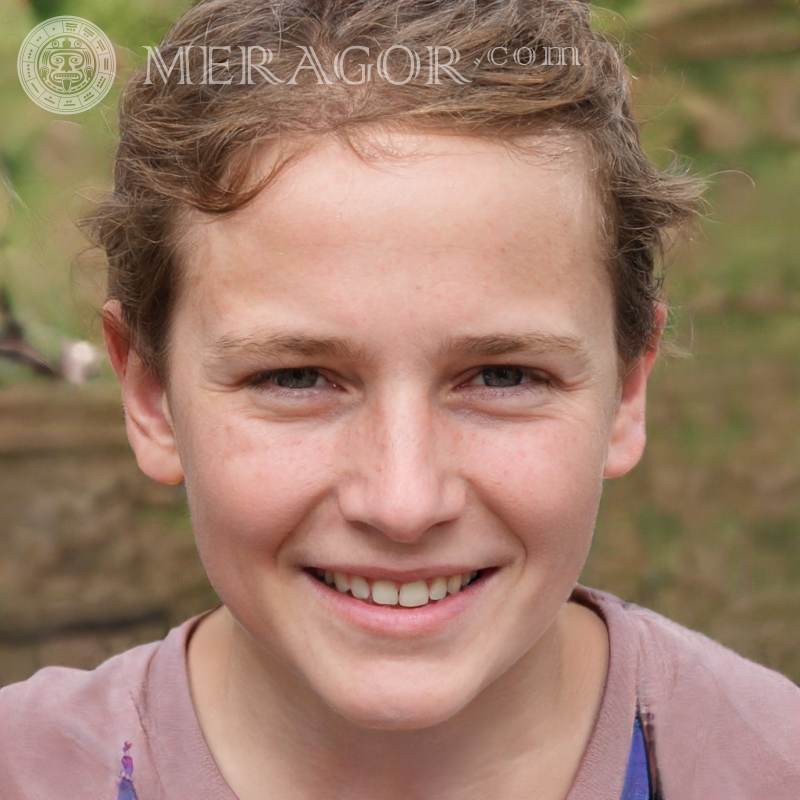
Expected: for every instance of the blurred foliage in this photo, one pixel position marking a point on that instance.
(706, 530)
(53, 167)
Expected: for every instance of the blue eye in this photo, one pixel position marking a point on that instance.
(504, 376)
(500, 377)
(303, 378)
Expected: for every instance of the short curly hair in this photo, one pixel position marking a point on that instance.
(188, 140)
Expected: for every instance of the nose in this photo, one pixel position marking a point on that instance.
(401, 482)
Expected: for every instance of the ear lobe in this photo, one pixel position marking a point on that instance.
(147, 419)
(628, 432)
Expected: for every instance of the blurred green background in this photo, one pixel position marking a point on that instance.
(94, 558)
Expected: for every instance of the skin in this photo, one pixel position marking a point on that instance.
(406, 286)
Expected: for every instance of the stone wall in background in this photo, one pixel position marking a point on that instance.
(94, 556)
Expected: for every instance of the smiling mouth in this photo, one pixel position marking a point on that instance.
(413, 594)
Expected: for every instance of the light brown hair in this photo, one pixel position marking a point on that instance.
(187, 143)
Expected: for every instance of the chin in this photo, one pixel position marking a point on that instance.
(401, 705)
(410, 716)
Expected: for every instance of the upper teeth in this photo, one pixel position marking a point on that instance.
(389, 593)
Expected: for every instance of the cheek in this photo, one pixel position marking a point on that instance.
(251, 484)
(544, 482)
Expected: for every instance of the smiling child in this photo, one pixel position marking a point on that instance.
(393, 331)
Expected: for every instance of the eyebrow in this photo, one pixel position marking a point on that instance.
(494, 345)
(264, 343)
(280, 343)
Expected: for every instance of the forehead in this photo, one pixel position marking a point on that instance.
(453, 218)
(406, 170)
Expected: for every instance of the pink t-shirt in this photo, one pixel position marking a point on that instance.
(721, 727)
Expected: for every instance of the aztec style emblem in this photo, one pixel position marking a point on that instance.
(66, 65)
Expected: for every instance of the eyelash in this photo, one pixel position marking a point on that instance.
(259, 381)
(536, 379)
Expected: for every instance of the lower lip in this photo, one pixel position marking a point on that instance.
(396, 620)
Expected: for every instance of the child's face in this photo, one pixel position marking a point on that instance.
(455, 405)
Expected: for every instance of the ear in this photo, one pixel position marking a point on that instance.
(628, 433)
(147, 418)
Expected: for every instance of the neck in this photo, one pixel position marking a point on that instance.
(265, 727)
